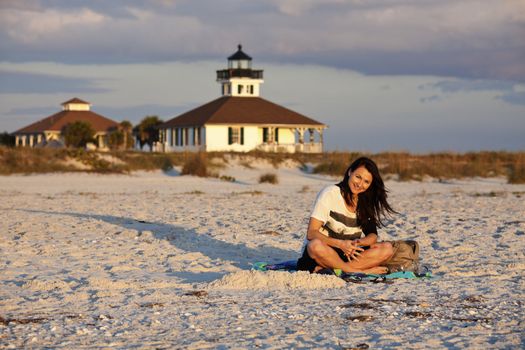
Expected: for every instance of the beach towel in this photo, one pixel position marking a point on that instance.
(356, 277)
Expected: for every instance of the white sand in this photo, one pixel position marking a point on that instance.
(158, 261)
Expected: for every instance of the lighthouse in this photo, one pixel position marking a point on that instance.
(239, 79)
(240, 120)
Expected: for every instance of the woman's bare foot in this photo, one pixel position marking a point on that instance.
(376, 270)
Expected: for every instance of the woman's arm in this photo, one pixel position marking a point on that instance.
(367, 241)
(347, 246)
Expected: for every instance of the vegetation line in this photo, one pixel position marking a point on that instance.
(400, 165)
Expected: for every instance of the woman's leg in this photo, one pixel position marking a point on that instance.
(369, 260)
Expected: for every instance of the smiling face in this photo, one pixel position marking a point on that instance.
(360, 179)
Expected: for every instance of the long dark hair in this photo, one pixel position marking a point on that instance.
(372, 204)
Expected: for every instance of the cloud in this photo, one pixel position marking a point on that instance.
(21, 82)
(507, 91)
(470, 38)
(454, 86)
(432, 98)
(300, 7)
(41, 111)
(28, 27)
(30, 5)
(514, 97)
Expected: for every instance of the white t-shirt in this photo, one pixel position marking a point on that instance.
(338, 221)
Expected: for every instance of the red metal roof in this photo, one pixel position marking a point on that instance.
(240, 110)
(58, 120)
(75, 100)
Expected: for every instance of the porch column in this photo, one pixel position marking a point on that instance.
(17, 138)
(301, 135)
(39, 138)
(24, 140)
(311, 131)
(198, 136)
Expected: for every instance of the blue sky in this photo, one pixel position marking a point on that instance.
(415, 75)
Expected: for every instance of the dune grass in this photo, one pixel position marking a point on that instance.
(403, 165)
(269, 178)
(408, 166)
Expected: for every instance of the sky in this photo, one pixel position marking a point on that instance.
(384, 75)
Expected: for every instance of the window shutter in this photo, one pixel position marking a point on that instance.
(242, 136)
(230, 134)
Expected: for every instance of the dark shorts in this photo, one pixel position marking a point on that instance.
(307, 263)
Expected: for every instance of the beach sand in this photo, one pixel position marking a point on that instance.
(155, 260)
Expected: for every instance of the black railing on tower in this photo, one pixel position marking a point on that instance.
(239, 73)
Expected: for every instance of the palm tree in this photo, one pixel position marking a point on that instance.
(147, 130)
(127, 128)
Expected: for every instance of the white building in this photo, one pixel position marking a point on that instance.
(240, 120)
(48, 131)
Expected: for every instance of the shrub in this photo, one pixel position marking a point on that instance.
(269, 178)
(227, 178)
(196, 164)
(7, 139)
(78, 134)
(150, 161)
(31, 160)
(166, 164)
(116, 139)
(516, 174)
(335, 163)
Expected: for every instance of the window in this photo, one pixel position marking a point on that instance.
(239, 89)
(265, 135)
(276, 135)
(251, 89)
(235, 135)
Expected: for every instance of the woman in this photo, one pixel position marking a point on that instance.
(342, 215)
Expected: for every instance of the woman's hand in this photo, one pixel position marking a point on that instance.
(350, 249)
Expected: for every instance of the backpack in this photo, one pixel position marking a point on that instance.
(405, 257)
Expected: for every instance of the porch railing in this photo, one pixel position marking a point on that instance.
(315, 147)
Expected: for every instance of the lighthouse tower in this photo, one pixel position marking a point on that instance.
(240, 80)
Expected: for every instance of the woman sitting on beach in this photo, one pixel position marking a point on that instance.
(342, 214)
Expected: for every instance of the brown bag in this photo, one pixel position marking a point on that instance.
(405, 257)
